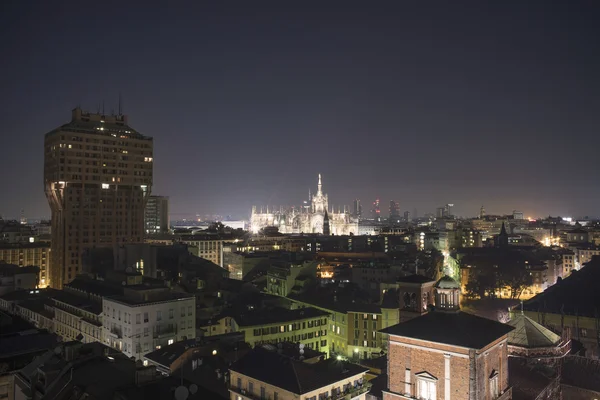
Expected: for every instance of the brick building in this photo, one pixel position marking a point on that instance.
(448, 354)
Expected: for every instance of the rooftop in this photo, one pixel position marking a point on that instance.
(414, 278)
(294, 376)
(577, 294)
(275, 315)
(530, 334)
(457, 329)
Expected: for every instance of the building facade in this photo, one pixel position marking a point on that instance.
(29, 254)
(156, 215)
(97, 177)
(137, 326)
(308, 219)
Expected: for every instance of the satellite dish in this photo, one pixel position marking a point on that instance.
(181, 393)
(193, 388)
(301, 351)
(301, 345)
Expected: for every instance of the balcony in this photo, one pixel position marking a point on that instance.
(164, 331)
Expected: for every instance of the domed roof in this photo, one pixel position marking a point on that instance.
(447, 282)
(530, 334)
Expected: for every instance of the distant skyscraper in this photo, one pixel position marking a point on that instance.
(481, 212)
(357, 212)
(439, 212)
(156, 215)
(394, 209)
(97, 177)
(406, 216)
(376, 211)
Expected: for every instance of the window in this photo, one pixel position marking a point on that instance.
(183, 311)
(263, 393)
(239, 383)
(275, 396)
(494, 392)
(426, 386)
(138, 318)
(250, 387)
(171, 312)
(146, 330)
(159, 315)
(170, 342)
(189, 310)
(145, 317)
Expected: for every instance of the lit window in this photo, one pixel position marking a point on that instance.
(105, 186)
(170, 341)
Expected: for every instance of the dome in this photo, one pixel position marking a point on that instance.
(447, 282)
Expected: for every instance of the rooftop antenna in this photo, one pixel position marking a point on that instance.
(120, 104)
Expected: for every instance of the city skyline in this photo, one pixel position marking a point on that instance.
(492, 105)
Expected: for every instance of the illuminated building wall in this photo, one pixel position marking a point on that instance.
(24, 255)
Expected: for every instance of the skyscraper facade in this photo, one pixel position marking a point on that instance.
(156, 215)
(376, 211)
(394, 209)
(97, 178)
(357, 212)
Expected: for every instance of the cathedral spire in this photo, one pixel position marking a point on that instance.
(319, 186)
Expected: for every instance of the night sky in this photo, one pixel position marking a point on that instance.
(423, 102)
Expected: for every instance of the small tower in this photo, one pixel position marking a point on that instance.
(447, 294)
(503, 238)
(481, 213)
(326, 228)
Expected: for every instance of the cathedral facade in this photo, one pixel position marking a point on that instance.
(312, 218)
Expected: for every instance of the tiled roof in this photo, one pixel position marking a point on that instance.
(274, 316)
(414, 278)
(294, 376)
(530, 334)
(458, 329)
(577, 294)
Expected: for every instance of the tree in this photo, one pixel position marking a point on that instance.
(516, 277)
(482, 283)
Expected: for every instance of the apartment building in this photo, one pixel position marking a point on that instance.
(143, 320)
(208, 247)
(346, 340)
(306, 325)
(28, 254)
(280, 377)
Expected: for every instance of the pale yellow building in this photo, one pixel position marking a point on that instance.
(307, 326)
(35, 254)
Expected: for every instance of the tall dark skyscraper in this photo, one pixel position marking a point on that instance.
(156, 215)
(394, 209)
(357, 211)
(97, 178)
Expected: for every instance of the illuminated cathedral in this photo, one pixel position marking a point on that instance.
(314, 217)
